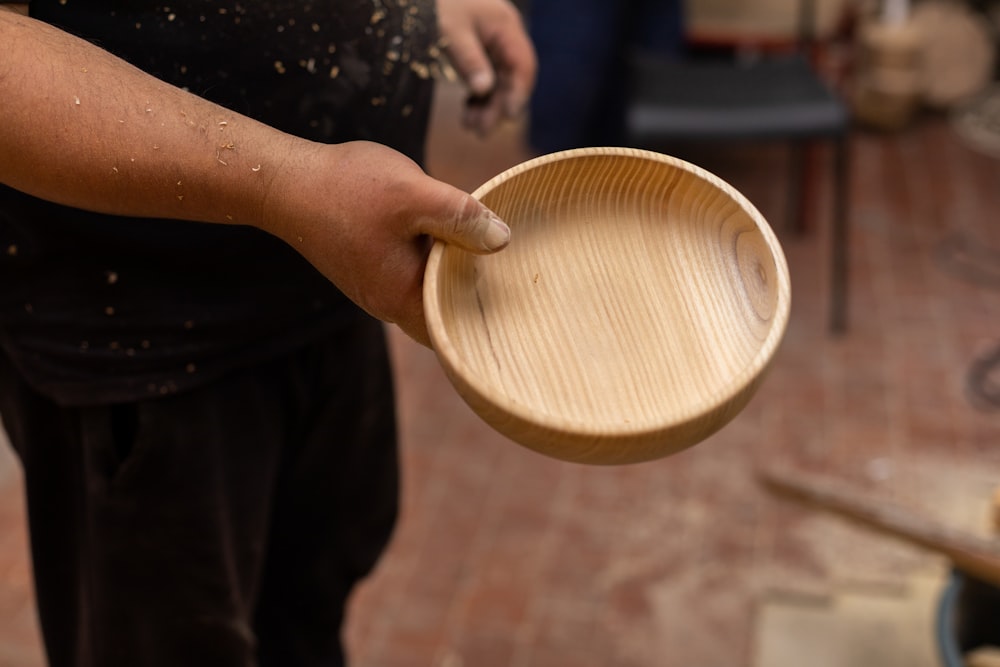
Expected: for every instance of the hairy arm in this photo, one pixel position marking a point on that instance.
(81, 127)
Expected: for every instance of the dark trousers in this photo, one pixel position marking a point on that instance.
(224, 526)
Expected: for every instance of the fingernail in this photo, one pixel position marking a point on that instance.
(481, 82)
(497, 233)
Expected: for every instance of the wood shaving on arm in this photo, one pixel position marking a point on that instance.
(84, 128)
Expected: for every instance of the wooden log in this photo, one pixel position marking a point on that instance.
(958, 52)
(972, 554)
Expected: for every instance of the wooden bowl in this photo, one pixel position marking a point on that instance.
(632, 315)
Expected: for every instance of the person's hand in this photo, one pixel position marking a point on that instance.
(489, 48)
(366, 216)
(361, 213)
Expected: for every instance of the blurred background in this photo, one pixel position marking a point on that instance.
(505, 558)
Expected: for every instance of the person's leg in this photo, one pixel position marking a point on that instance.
(656, 27)
(53, 489)
(336, 498)
(583, 50)
(148, 521)
(151, 523)
(578, 46)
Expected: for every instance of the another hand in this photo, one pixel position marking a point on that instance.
(366, 217)
(489, 47)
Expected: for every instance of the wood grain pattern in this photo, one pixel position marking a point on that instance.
(632, 315)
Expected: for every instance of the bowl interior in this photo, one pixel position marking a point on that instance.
(638, 292)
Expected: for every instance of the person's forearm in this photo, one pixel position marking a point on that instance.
(81, 127)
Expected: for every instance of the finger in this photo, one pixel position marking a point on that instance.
(416, 328)
(472, 63)
(482, 114)
(517, 65)
(403, 305)
(459, 218)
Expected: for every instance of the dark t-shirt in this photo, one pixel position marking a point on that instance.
(97, 308)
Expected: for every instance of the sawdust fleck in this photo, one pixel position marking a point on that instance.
(421, 70)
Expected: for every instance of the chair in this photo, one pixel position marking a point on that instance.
(776, 96)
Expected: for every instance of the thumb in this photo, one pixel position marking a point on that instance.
(463, 220)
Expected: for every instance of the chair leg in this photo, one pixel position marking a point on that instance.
(797, 185)
(805, 166)
(839, 237)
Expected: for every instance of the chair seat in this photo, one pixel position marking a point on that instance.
(699, 100)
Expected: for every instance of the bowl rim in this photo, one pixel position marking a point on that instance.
(447, 351)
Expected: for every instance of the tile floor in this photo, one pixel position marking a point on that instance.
(504, 558)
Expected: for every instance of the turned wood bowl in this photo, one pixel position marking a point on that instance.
(633, 314)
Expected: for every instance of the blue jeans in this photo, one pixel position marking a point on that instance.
(583, 47)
